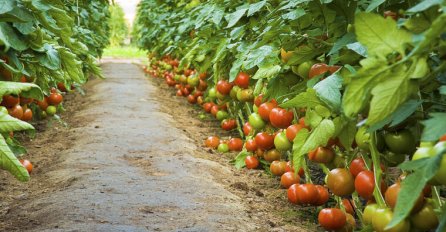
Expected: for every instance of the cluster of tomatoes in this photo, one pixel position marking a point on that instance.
(269, 132)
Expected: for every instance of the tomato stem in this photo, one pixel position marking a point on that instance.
(436, 197)
(376, 171)
(307, 172)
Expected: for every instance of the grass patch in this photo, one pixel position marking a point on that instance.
(124, 52)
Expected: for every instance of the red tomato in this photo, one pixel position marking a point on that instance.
(228, 124)
(292, 131)
(265, 110)
(16, 111)
(281, 118)
(292, 194)
(340, 182)
(443, 138)
(307, 194)
(214, 110)
(179, 93)
(247, 128)
(191, 99)
(391, 197)
(264, 140)
(357, 166)
(321, 155)
(365, 184)
(348, 205)
(323, 195)
(251, 162)
(317, 69)
(258, 100)
(288, 179)
(27, 164)
(10, 101)
(55, 99)
(224, 87)
(207, 107)
(202, 86)
(235, 144)
(212, 142)
(277, 168)
(332, 218)
(251, 145)
(242, 80)
(27, 115)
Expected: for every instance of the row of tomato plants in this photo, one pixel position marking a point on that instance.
(353, 89)
(47, 48)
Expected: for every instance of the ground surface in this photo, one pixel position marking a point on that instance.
(131, 160)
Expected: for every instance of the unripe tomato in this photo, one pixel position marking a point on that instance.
(281, 118)
(256, 121)
(369, 212)
(221, 114)
(242, 80)
(362, 138)
(265, 109)
(382, 218)
(235, 144)
(212, 92)
(224, 87)
(440, 177)
(426, 219)
(251, 162)
(212, 142)
(332, 219)
(401, 142)
(223, 147)
(264, 140)
(277, 168)
(251, 145)
(272, 155)
(321, 155)
(289, 178)
(304, 69)
(292, 131)
(281, 142)
(340, 181)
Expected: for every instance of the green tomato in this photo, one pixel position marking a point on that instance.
(177, 77)
(256, 121)
(383, 216)
(362, 138)
(193, 80)
(234, 92)
(51, 110)
(255, 109)
(223, 147)
(393, 159)
(43, 114)
(220, 96)
(281, 142)
(440, 177)
(245, 95)
(304, 69)
(402, 142)
(221, 114)
(425, 219)
(368, 213)
(212, 93)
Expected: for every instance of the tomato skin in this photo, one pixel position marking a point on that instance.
(207, 107)
(332, 218)
(55, 99)
(221, 114)
(281, 118)
(202, 85)
(27, 115)
(401, 142)
(307, 194)
(292, 194)
(323, 195)
(235, 144)
(264, 141)
(247, 128)
(10, 101)
(28, 165)
(288, 179)
(191, 99)
(251, 162)
(265, 109)
(251, 145)
(356, 166)
(292, 131)
(369, 212)
(340, 181)
(256, 121)
(277, 168)
(242, 80)
(224, 87)
(391, 197)
(179, 93)
(223, 147)
(212, 142)
(362, 138)
(321, 155)
(16, 111)
(381, 219)
(440, 176)
(317, 69)
(281, 142)
(272, 155)
(214, 110)
(426, 219)
(349, 206)
(365, 184)
(228, 124)
(258, 100)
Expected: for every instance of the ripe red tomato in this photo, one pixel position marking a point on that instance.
(242, 80)
(281, 118)
(265, 109)
(264, 141)
(228, 124)
(27, 164)
(292, 194)
(302, 122)
(340, 181)
(289, 178)
(207, 107)
(235, 144)
(27, 115)
(61, 87)
(212, 142)
(317, 69)
(247, 128)
(224, 87)
(16, 111)
(24, 100)
(323, 195)
(443, 138)
(365, 184)
(292, 131)
(332, 219)
(349, 206)
(191, 99)
(214, 110)
(258, 100)
(202, 85)
(391, 197)
(290, 168)
(55, 99)
(277, 168)
(251, 145)
(179, 93)
(307, 194)
(10, 101)
(321, 155)
(251, 162)
(357, 166)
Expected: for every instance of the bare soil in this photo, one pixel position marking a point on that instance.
(131, 159)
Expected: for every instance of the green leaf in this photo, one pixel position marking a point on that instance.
(312, 118)
(442, 226)
(295, 14)
(303, 100)
(234, 17)
(279, 86)
(6, 6)
(342, 42)
(267, 71)
(298, 143)
(319, 136)
(347, 134)
(442, 90)
(381, 36)
(235, 69)
(374, 4)
(358, 48)
(239, 160)
(10, 163)
(423, 5)
(51, 58)
(9, 123)
(28, 90)
(434, 127)
(400, 114)
(329, 91)
(25, 28)
(10, 38)
(254, 8)
(258, 55)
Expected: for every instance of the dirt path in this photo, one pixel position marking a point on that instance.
(126, 164)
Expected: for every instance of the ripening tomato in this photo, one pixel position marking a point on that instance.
(214, 110)
(27, 164)
(223, 147)
(277, 168)
(443, 138)
(179, 93)
(281, 142)
(242, 80)
(340, 181)
(321, 155)
(426, 219)
(212, 142)
(368, 213)
(307, 194)
(348, 206)
(292, 131)
(265, 109)
(247, 128)
(272, 155)
(289, 178)
(251, 162)
(251, 145)
(235, 144)
(357, 166)
(61, 87)
(191, 99)
(256, 121)
(258, 100)
(224, 87)
(281, 118)
(202, 85)
(10, 101)
(16, 111)
(292, 194)
(207, 107)
(332, 219)
(302, 122)
(228, 124)
(391, 197)
(27, 115)
(323, 195)
(264, 140)
(317, 69)
(382, 218)
(55, 99)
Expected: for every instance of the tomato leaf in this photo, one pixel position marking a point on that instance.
(442, 226)
(256, 7)
(25, 89)
(374, 4)
(10, 38)
(319, 136)
(381, 36)
(10, 163)
(423, 5)
(6, 6)
(347, 133)
(400, 114)
(298, 142)
(442, 90)
(434, 127)
(305, 99)
(234, 17)
(358, 48)
(342, 42)
(239, 160)
(329, 91)
(9, 123)
(267, 71)
(279, 86)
